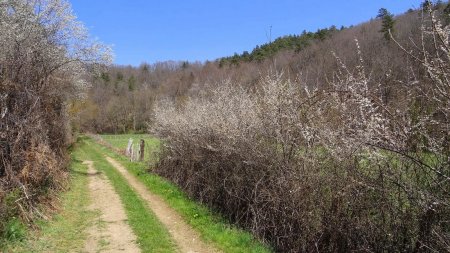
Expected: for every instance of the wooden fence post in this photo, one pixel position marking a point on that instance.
(141, 150)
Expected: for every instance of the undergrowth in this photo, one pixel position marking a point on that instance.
(64, 231)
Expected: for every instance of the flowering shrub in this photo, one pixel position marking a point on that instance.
(330, 170)
(44, 55)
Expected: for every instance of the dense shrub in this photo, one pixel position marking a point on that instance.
(43, 57)
(334, 169)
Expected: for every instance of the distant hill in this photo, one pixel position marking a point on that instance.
(289, 42)
(306, 57)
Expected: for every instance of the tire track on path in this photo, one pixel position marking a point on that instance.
(185, 237)
(110, 232)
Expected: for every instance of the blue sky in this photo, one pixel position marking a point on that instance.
(151, 31)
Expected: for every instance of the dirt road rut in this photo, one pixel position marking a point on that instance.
(110, 232)
(184, 236)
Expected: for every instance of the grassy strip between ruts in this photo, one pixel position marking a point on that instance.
(66, 231)
(211, 226)
(152, 235)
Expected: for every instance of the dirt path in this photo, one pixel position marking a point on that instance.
(110, 233)
(185, 237)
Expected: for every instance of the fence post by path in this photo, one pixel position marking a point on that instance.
(133, 154)
(129, 147)
(141, 150)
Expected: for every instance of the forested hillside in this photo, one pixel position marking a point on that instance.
(122, 97)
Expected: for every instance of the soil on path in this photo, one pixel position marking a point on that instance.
(110, 232)
(184, 236)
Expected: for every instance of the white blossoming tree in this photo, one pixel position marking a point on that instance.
(45, 56)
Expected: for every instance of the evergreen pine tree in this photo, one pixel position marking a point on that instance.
(426, 5)
(447, 14)
(387, 22)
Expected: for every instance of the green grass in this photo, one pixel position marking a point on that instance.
(152, 235)
(211, 226)
(121, 141)
(66, 230)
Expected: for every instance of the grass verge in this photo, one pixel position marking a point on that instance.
(212, 227)
(152, 235)
(65, 232)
